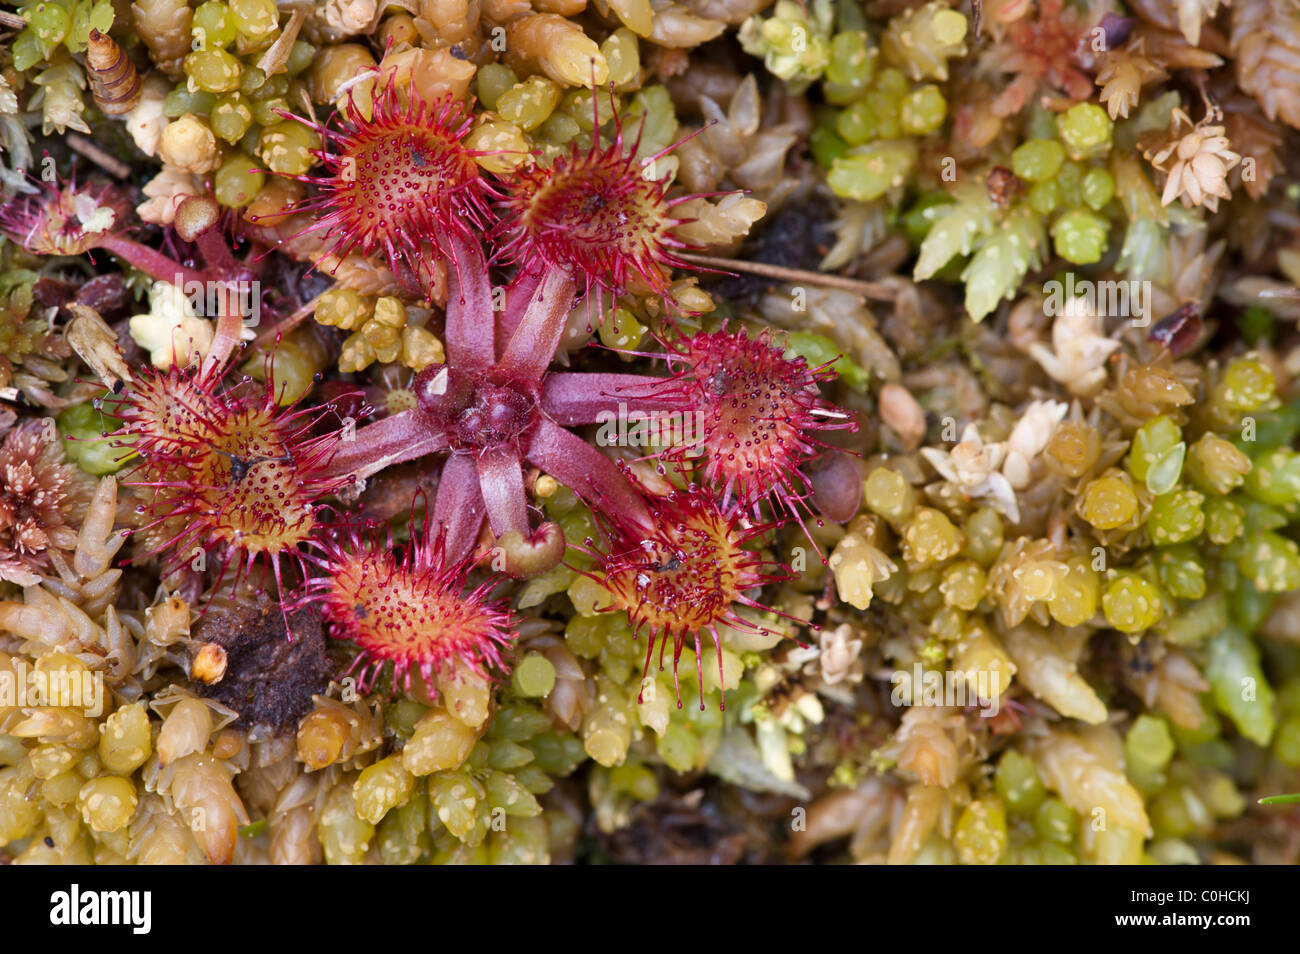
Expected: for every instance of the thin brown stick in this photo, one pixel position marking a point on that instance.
(794, 276)
(277, 54)
(268, 336)
(12, 20)
(110, 164)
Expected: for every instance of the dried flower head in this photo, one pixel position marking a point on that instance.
(1079, 349)
(1196, 158)
(401, 181)
(840, 659)
(412, 610)
(1123, 74)
(972, 465)
(1035, 428)
(39, 493)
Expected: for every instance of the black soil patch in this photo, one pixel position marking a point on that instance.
(269, 678)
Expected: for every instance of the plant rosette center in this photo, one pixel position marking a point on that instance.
(478, 415)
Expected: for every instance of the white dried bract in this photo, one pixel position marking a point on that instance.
(858, 566)
(727, 221)
(146, 121)
(859, 227)
(96, 344)
(1123, 74)
(675, 26)
(840, 659)
(350, 17)
(972, 465)
(167, 190)
(572, 696)
(8, 98)
(1193, 13)
(171, 330)
(737, 146)
(1035, 428)
(1079, 349)
(60, 98)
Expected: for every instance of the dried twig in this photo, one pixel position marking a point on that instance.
(110, 164)
(277, 54)
(794, 276)
(12, 20)
(267, 337)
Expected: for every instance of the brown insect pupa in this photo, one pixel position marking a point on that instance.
(114, 82)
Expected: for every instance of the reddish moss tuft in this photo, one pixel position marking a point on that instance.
(1042, 49)
(412, 611)
(38, 492)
